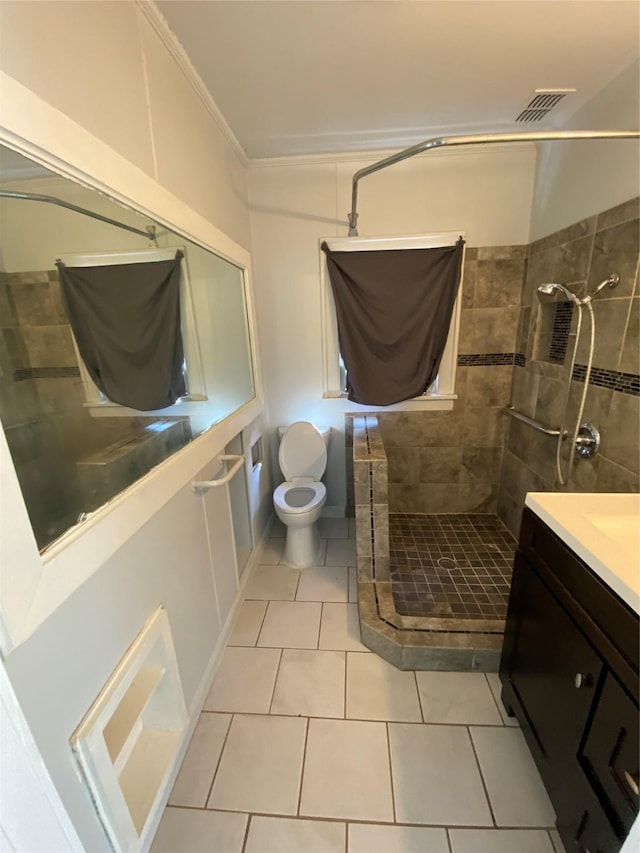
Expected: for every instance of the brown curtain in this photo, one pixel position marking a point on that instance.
(394, 309)
(126, 321)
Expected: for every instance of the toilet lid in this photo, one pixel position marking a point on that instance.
(302, 452)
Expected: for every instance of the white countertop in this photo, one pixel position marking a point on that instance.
(603, 529)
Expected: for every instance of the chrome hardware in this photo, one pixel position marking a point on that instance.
(582, 679)
(491, 138)
(588, 441)
(525, 419)
(631, 782)
(611, 282)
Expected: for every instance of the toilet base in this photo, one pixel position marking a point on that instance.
(302, 546)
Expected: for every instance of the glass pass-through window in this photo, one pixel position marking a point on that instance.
(73, 448)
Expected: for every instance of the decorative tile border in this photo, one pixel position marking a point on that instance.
(491, 358)
(46, 373)
(626, 383)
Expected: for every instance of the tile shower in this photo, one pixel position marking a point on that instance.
(67, 461)
(438, 496)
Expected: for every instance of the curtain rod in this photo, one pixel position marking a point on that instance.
(482, 139)
(149, 233)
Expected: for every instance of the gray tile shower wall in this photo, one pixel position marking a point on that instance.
(581, 255)
(450, 461)
(34, 337)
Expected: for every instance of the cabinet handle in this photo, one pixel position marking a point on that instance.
(582, 680)
(631, 782)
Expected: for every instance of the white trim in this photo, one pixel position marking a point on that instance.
(33, 816)
(384, 244)
(147, 96)
(162, 29)
(158, 720)
(443, 392)
(375, 154)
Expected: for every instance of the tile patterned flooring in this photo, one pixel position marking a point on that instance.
(309, 743)
(456, 566)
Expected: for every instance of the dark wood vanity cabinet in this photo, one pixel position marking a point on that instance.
(569, 672)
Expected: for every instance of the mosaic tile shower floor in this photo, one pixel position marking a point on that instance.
(450, 565)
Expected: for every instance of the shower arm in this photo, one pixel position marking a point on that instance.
(481, 139)
(149, 233)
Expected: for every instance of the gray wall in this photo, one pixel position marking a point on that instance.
(450, 461)
(476, 459)
(583, 254)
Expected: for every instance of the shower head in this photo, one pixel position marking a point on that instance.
(553, 292)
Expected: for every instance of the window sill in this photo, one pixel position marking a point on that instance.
(107, 404)
(433, 402)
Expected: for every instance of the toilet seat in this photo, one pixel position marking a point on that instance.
(317, 495)
(302, 452)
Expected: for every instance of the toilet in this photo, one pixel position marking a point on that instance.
(298, 502)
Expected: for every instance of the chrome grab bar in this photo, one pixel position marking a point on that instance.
(525, 419)
(202, 486)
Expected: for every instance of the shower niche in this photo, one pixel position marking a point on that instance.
(553, 331)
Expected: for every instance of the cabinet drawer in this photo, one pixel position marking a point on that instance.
(610, 754)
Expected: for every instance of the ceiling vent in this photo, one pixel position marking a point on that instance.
(541, 103)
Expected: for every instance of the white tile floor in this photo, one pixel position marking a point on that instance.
(309, 743)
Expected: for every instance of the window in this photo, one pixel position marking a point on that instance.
(192, 368)
(443, 388)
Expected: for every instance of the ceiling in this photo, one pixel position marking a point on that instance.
(323, 76)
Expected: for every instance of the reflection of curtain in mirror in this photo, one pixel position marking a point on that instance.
(126, 321)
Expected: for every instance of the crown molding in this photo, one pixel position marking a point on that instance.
(159, 23)
(371, 155)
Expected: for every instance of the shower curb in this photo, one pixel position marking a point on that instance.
(423, 648)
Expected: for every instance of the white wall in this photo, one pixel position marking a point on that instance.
(485, 193)
(575, 180)
(58, 672)
(104, 67)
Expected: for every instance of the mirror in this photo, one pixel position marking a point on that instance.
(73, 449)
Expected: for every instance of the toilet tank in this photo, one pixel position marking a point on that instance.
(325, 432)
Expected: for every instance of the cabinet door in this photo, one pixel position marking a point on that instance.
(610, 754)
(222, 550)
(552, 670)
